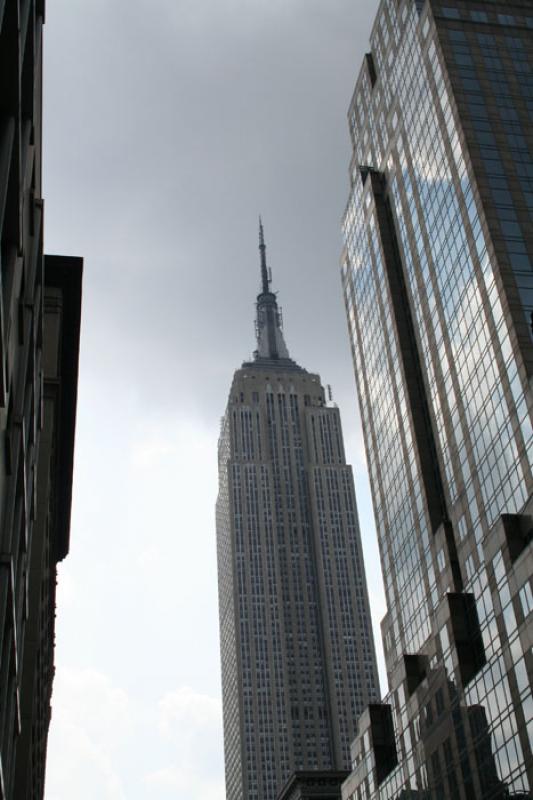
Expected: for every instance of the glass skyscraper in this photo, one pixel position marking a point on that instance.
(438, 282)
(298, 661)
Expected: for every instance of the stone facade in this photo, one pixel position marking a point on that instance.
(314, 785)
(39, 339)
(298, 661)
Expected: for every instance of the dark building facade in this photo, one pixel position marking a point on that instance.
(314, 785)
(40, 305)
(298, 661)
(438, 282)
(51, 526)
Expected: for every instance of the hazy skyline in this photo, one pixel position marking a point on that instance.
(169, 126)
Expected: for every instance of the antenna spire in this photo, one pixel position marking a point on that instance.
(270, 342)
(262, 250)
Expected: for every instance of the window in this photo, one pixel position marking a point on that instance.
(452, 13)
(510, 229)
(526, 599)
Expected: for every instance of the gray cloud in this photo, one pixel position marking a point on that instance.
(169, 126)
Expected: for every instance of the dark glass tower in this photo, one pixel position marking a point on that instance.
(298, 661)
(438, 282)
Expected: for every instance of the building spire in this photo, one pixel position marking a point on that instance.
(262, 249)
(270, 342)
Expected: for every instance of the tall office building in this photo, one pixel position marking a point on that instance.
(40, 301)
(298, 661)
(438, 282)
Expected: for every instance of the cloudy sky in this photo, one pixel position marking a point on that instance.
(169, 126)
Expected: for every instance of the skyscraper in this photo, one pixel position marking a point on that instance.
(40, 303)
(438, 282)
(298, 661)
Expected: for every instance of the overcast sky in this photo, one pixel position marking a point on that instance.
(169, 126)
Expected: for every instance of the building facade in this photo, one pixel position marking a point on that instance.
(39, 339)
(50, 535)
(437, 273)
(314, 785)
(298, 661)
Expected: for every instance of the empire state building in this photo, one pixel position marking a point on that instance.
(297, 652)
